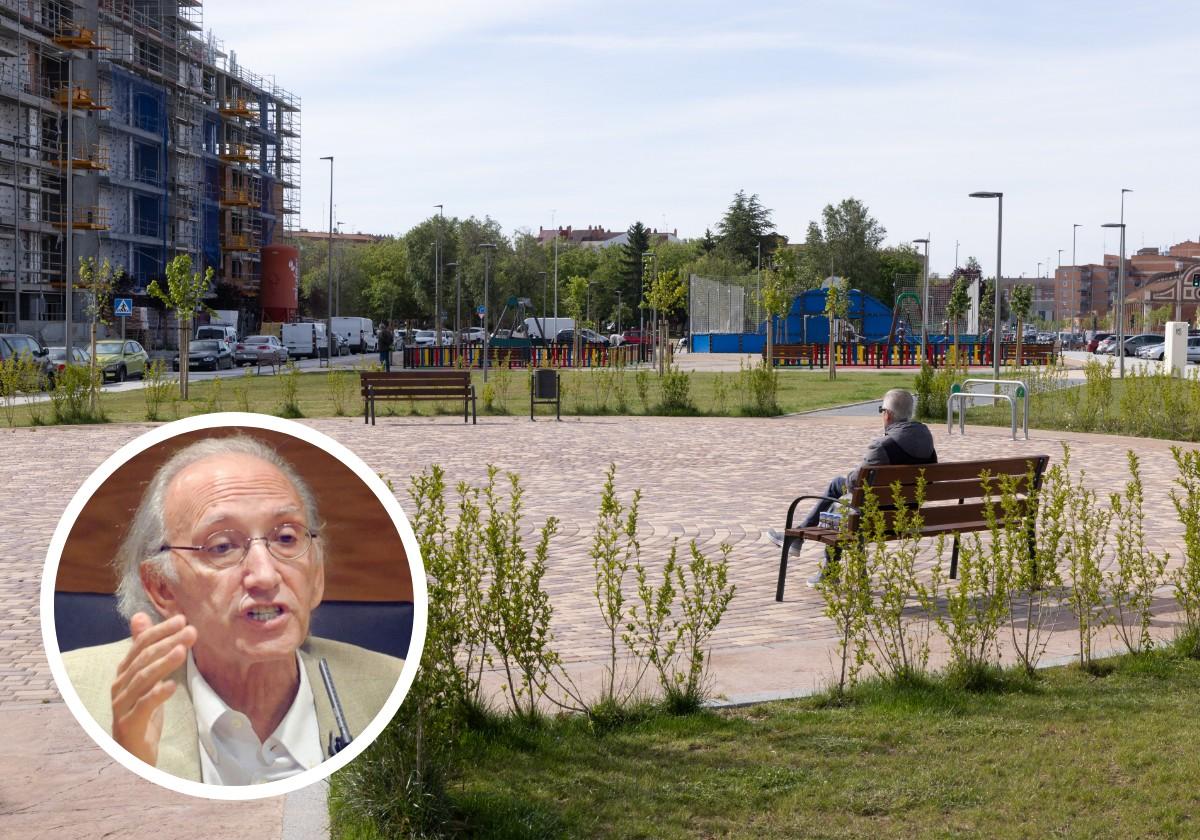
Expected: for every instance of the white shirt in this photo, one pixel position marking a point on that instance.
(230, 752)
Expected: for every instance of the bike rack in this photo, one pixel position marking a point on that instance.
(961, 393)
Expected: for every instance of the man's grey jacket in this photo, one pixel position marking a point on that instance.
(903, 442)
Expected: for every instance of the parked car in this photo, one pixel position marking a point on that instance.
(425, 338)
(1107, 346)
(260, 350)
(119, 360)
(58, 356)
(17, 344)
(208, 354)
(586, 335)
(223, 332)
(1152, 351)
(1157, 352)
(632, 337)
(1093, 346)
(1134, 343)
(474, 335)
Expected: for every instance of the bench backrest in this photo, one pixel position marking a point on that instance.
(954, 492)
(403, 380)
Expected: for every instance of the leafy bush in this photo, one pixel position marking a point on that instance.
(763, 388)
(289, 386)
(157, 389)
(71, 397)
(1136, 574)
(341, 386)
(676, 386)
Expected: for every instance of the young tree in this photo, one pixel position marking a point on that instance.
(629, 278)
(184, 295)
(956, 307)
(837, 306)
(742, 228)
(1020, 301)
(98, 281)
(778, 289)
(666, 294)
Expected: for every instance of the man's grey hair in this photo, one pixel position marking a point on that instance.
(148, 530)
(900, 403)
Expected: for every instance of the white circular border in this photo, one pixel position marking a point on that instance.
(363, 739)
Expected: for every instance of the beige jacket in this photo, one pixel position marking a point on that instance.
(363, 680)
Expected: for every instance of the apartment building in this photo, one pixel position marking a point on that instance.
(128, 135)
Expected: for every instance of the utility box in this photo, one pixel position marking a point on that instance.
(1175, 351)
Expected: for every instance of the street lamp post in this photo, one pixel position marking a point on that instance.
(1076, 279)
(437, 280)
(1120, 316)
(619, 313)
(488, 248)
(329, 278)
(999, 196)
(457, 328)
(545, 275)
(925, 292)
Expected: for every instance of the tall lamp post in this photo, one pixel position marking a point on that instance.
(999, 196)
(488, 249)
(1076, 279)
(1120, 316)
(457, 329)
(329, 277)
(619, 313)
(545, 275)
(1060, 250)
(437, 280)
(925, 293)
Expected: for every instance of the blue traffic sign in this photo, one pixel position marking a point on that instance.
(123, 307)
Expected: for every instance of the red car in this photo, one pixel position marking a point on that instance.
(632, 337)
(1096, 339)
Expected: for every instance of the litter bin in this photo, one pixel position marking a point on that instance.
(543, 389)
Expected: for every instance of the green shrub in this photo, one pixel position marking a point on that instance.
(71, 397)
(762, 385)
(157, 389)
(289, 386)
(676, 386)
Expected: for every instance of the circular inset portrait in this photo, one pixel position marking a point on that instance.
(233, 606)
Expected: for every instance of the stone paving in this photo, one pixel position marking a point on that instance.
(710, 480)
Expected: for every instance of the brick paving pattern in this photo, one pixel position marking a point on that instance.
(714, 480)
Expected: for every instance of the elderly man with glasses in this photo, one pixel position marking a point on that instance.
(904, 441)
(220, 681)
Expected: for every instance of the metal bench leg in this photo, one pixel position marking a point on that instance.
(954, 559)
(783, 561)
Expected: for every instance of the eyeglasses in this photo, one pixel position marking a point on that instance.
(223, 549)
(882, 409)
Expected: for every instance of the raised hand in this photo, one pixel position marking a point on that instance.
(141, 686)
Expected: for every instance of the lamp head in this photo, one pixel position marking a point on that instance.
(986, 194)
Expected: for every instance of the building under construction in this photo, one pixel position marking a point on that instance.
(128, 135)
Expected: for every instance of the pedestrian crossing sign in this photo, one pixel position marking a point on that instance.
(123, 307)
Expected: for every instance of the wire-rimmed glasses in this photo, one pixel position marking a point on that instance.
(288, 541)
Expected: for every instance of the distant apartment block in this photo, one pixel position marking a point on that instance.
(599, 237)
(1153, 277)
(126, 130)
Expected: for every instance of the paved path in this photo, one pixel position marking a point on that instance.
(712, 480)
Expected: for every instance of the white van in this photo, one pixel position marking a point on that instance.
(305, 340)
(221, 332)
(545, 328)
(358, 332)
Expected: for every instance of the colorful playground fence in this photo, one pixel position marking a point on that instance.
(545, 355)
(857, 354)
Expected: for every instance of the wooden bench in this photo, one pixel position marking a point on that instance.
(1031, 354)
(797, 354)
(953, 502)
(416, 385)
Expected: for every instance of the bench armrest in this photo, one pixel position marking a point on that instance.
(792, 507)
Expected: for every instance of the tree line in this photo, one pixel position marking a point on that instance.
(396, 279)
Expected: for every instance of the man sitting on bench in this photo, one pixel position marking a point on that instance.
(904, 441)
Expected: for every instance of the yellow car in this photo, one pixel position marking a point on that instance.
(120, 360)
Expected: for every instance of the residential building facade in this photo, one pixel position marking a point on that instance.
(126, 135)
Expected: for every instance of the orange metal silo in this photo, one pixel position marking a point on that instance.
(280, 282)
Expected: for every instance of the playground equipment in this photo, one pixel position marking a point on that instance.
(964, 395)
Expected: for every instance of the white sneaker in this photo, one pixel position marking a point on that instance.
(816, 579)
(777, 538)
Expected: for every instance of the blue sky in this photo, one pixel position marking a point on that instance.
(606, 113)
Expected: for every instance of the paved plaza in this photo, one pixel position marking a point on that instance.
(710, 480)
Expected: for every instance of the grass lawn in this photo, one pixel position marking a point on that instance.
(1070, 755)
(585, 392)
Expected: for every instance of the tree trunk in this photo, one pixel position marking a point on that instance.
(1018, 338)
(770, 343)
(184, 335)
(832, 348)
(93, 382)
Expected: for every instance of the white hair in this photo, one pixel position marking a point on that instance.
(148, 530)
(899, 403)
